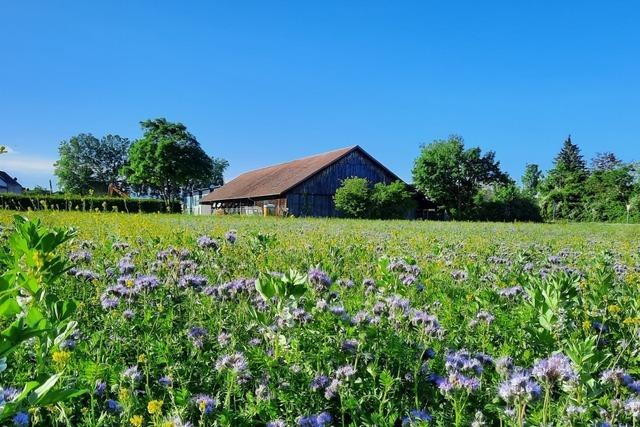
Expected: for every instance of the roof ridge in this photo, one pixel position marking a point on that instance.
(348, 148)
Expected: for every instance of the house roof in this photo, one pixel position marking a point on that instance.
(8, 179)
(278, 179)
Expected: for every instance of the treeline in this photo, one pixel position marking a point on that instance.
(466, 184)
(62, 202)
(469, 185)
(165, 161)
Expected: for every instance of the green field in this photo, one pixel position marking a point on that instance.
(387, 323)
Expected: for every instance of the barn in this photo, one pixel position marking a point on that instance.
(303, 187)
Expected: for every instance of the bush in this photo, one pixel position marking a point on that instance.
(505, 203)
(356, 199)
(353, 197)
(391, 201)
(22, 202)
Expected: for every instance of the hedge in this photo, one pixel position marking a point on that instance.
(78, 203)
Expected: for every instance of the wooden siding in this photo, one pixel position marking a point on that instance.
(314, 197)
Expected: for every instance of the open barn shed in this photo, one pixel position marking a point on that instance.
(303, 187)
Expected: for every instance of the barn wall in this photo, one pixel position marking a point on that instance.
(314, 197)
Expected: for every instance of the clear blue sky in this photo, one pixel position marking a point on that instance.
(269, 81)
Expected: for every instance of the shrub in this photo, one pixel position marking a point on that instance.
(353, 197)
(391, 200)
(65, 202)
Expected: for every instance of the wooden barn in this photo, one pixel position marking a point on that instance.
(303, 187)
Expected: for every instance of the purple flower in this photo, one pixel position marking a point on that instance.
(207, 242)
(224, 339)
(205, 403)
(319, 382)
(519, 388)
(100, 388)
(632, 407)
(9, 394)
(126, 265)
(132, 374)
(80, 256)
(230, 236)
(554, 369)
(165, 381)
(21, 419)
(235, 362)
(416, 417)
(128, 314)
(511, 292)
(276, 423)
(197, 335)
(87, 275)
(319, 420)
(108, 302)
(615, 377)
(147, 282)
(345, 371)
(332, 389)
(319, 279)
(113, 406)
(197, 283)
(349, 346)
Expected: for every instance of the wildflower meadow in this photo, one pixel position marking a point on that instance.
(111, 319)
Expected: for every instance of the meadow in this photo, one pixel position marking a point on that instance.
(241, 321)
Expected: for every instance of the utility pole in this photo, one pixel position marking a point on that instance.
(50, 188)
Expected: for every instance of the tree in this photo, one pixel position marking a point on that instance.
(605, 162)
(168, 159)
(451, 176)
(607, 192)
(88, 163)
(531, 179)
(391, 201)
(352, 197)
(505, 203)
(563, 188)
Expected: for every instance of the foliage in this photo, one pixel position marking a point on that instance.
(391, 201)
(356, 198)
(168, 159)
(30, 311)
(563, 189)
(505, 203)
(65, 202)
(451, 175)
(393, 322)
(353, 198)
(531, 179)
(88, 163)
(607, 192)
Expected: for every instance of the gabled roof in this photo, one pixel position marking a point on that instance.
(278, 179)
(8, 179)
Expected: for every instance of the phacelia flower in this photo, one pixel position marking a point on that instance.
(554, 369)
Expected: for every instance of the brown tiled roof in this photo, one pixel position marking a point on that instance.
(275, 180)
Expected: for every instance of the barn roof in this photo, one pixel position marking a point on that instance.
(8, 179)
(278, 179)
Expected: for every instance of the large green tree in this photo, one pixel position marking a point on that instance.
(563, 188)
(169, 159)
(451, 175)
(608, 190)
(531, 179)
(88, 163)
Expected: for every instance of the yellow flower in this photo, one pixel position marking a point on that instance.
(136, 420)
(586, 325)
(613, 309)
(631, 321)
(123, 394)
(470, 297)
(142, 358)
(61, 356)
(155, 406)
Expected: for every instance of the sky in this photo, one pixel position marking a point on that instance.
(269, 81)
